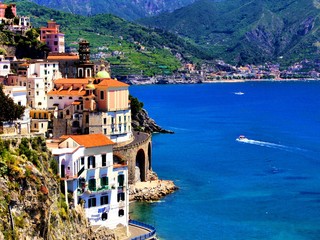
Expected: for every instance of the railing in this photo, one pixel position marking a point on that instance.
(81, 171)
(148, 227)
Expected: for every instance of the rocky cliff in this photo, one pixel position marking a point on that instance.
(31, 203)
(142, 122)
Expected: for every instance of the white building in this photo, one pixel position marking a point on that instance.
(4, 66)
(38, 80)
(95, 178)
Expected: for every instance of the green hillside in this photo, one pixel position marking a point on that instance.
(142, 50)
(248, 31)
(127, 9)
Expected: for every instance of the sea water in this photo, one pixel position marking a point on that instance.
(267, 187)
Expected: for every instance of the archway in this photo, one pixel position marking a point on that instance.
(140, 171)
(150, 155)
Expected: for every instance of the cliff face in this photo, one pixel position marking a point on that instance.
(141, 121)
(31, 204)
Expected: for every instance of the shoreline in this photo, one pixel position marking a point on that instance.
(151, 191)
(137, 83)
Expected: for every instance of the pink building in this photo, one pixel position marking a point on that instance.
(52, 36)
(3, 8)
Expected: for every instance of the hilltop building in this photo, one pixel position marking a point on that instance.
(96, 178)
(52, 36)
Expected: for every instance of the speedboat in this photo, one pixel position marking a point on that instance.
(242, 138)
(239, 93)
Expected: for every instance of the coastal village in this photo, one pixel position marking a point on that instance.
(85, 117)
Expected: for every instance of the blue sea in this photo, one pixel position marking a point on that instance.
(265, 188)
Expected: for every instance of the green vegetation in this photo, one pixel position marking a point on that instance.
(135, 104)
(9, 111)
(130, 48)
(248, 31)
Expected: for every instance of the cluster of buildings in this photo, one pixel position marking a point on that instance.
(86, 116)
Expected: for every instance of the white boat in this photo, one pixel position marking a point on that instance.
(239, 93)
(242, 138)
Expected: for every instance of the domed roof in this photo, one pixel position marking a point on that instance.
(102, 73)
(90, 86)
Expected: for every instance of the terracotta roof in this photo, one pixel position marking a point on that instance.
(67, 92)
(112, 83)
(63, 57)
(72, 80)
(90, 140)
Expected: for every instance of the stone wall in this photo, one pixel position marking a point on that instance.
(138, 154)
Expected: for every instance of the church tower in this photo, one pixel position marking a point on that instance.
(85, 67)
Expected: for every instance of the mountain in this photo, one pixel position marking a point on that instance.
(131, 47)
(127, 9)
(248, 31)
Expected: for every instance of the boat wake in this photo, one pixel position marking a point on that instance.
(271, 145)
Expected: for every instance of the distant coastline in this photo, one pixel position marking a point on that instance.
(154, 81)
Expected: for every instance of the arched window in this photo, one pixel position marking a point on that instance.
(80, 72)
(121, 212)
(5, 66)
(104, 216)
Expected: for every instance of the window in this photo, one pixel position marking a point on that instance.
(5, 67)
(121, 180)
(60, 97)
(87, 118)
(125, 118)
(92, 202)
(121, 196)
(104, 160)
(104, 216)
(101, 95)
(91, 162)
(82, 161)
(50, 97)
(121, 212)
(37, 93)
(112, 120)
(105, 121)
(104, 181)
(105, 131)
(70, 97)
(92, 184)
(119, 119)
(104, 200)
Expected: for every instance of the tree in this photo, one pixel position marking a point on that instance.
(9, 110)
(136, 105)
(8, 13)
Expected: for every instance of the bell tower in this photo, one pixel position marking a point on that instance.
(85, 67)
